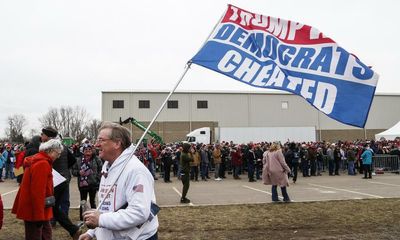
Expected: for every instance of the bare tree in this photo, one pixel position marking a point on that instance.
(66, 118)
(70, 122)
(92, 128)
(79, 122)
(16, 124)
(51, 118)
(33, 132)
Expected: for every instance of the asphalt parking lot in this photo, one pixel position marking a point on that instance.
(230, 191)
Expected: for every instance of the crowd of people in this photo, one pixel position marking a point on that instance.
(221, 159)
(273, 163)
(308, 158)
(162, 160)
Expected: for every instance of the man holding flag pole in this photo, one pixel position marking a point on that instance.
(126, 193)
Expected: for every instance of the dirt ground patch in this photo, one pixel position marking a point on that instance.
(350, 219)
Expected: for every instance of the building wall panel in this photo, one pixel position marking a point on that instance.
(244, 109)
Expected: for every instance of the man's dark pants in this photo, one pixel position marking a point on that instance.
(59, 215)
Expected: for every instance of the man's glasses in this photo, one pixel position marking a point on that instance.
(101, 140)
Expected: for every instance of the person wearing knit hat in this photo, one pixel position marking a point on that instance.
(48, 132)
(88, 170)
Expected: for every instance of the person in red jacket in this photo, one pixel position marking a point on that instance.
(20, 155)
(36, 186)
(236, 157)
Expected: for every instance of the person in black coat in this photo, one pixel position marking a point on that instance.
(337, 157)
(305, 165)
(251, 162)
(258, 152)
(88, 170)
(288, 154)
(33, 146)
(166, 158)
(293, 155)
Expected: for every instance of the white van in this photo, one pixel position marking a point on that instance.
(200, 135)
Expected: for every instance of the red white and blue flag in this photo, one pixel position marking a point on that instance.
(138, 188)
(268, 52)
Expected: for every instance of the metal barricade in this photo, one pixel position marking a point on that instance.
(386, 163)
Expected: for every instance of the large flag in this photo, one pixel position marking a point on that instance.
(268, 52)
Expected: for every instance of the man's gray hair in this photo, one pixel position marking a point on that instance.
(118, 132)
(52, 144)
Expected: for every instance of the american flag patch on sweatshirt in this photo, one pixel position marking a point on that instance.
(138, 188)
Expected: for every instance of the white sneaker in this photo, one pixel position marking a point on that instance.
(218, 179)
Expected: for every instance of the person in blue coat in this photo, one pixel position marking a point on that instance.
(2, 165)
(9, 157)
(366, 157)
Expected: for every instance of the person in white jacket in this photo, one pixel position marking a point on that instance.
(125, 212)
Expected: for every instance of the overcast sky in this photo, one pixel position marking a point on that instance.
(64, 53)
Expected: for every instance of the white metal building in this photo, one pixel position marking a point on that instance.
(186, 111)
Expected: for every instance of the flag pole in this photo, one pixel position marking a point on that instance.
(187, 67)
